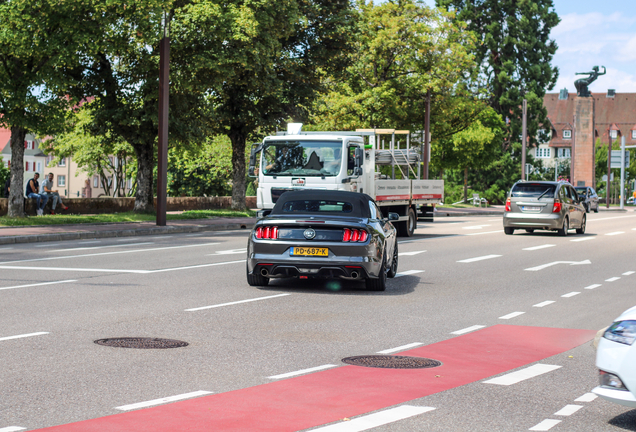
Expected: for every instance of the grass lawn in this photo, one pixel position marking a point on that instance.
(61, 219)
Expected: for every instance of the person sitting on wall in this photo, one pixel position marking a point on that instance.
(86, 191)
(46, 190)
(32, 188)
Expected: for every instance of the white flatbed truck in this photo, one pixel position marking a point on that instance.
(349, 161)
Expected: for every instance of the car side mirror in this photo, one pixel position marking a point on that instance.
(357, 171)
(394, 217)
(251, 171)
(359, 158)
(263, 213)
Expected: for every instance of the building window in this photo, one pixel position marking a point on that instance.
(544, 152)
(62, 162)
(563, 153)
(26, 167)
(613, 134)
(634, 134)
(39, 166)
(95, 181)
(61, 180)
(567, 134)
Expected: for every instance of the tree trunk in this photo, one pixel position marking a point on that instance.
(144, 198)
(238, 164)
(16, 197)
(466, 185)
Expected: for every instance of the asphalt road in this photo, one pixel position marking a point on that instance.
(56, 299)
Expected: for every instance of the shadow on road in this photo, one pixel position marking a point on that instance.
(399, 286)
(626, 421)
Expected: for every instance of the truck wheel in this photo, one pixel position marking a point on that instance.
(407, 228)
(256, 279)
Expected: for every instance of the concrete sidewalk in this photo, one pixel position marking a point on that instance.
(498, 210)
(43, 233)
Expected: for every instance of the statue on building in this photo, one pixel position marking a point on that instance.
(581, 84)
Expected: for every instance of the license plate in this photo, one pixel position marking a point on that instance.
(310, 251)
(531, 208)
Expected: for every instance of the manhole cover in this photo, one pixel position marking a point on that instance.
(392, 362)
(143, 343)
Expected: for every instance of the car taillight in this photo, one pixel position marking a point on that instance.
(557, 206)
(354, 235)
(508, 204)
(267, 233)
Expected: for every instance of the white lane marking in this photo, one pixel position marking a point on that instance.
(408, 272)
(48, 245)
(162, 400)
(615, 233)
(230, 252)
(400, 348)
(612, 279)
(545, 303)
(467, 329)
(523, 374)
(128, 239)
(587, 397)
(236, 302)
(22, 336)
(541, 267)
(572, 294)
(592, 286)
(409, 241)
(545, 425)
(37, 284)
(485, 232)
(568, 410)
(119, 270)
(475, 227)
(481, 258)
(162, 237)
(628, 273)
(194, 235)
(493, 220)
(6, 248)
(374, 420)
(12, 429)
(410, 253)
(108, 253)
(511, 315)
(101, 247)
(89, 242)
(539, 247)
(303, 371)
(583, 239)
(610, 218)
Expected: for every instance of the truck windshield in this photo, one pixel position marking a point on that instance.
(302, 158)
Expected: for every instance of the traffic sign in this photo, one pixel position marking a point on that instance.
(605, 177)
(616, 158)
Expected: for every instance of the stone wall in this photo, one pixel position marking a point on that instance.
(118, 205)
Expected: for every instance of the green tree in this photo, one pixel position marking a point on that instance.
(39, 45)
(514, 51)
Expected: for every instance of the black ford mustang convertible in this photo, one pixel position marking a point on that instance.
(323, 234)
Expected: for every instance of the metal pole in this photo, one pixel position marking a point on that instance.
(524, 136)
(162, 156)
(609, 168)
(573, 151)
(427, 134)
(622, 195)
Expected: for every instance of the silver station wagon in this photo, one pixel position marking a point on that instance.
(542, 205)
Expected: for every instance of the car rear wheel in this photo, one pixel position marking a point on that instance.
(583, 223)
(378, 284)
(564, 230)
(587, 208)
(596, 209)
(256, 279)
(509, 231)
(394, 263)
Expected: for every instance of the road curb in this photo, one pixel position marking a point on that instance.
(36, 238)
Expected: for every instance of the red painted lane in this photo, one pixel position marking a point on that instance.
(324, 397)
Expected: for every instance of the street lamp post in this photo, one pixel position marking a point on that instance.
(162, 156)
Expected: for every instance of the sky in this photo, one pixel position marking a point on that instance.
(595, 33)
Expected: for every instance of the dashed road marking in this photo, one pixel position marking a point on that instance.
(541, 267)
(303, 371)
(410, 253)
(162, 400)
(374, 420)
(583, 239)
(539, 247)
(545, 425)
(22, 336)
(236, 302)
(568, 410)
(400, 348)
(587, 397)
(522, 375)
(12, 429)
(101, 247)
(47, 245)
(468, 329)
(612, 279)
(408, 272)
(128, 239)
(485, 232)
(481, 258)
(475, 227)
(615, 233)
(628, 273)
(229, 252)
(571, 294)
(511, 315)
(37, 284)
(593, 286)
(545, 303)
